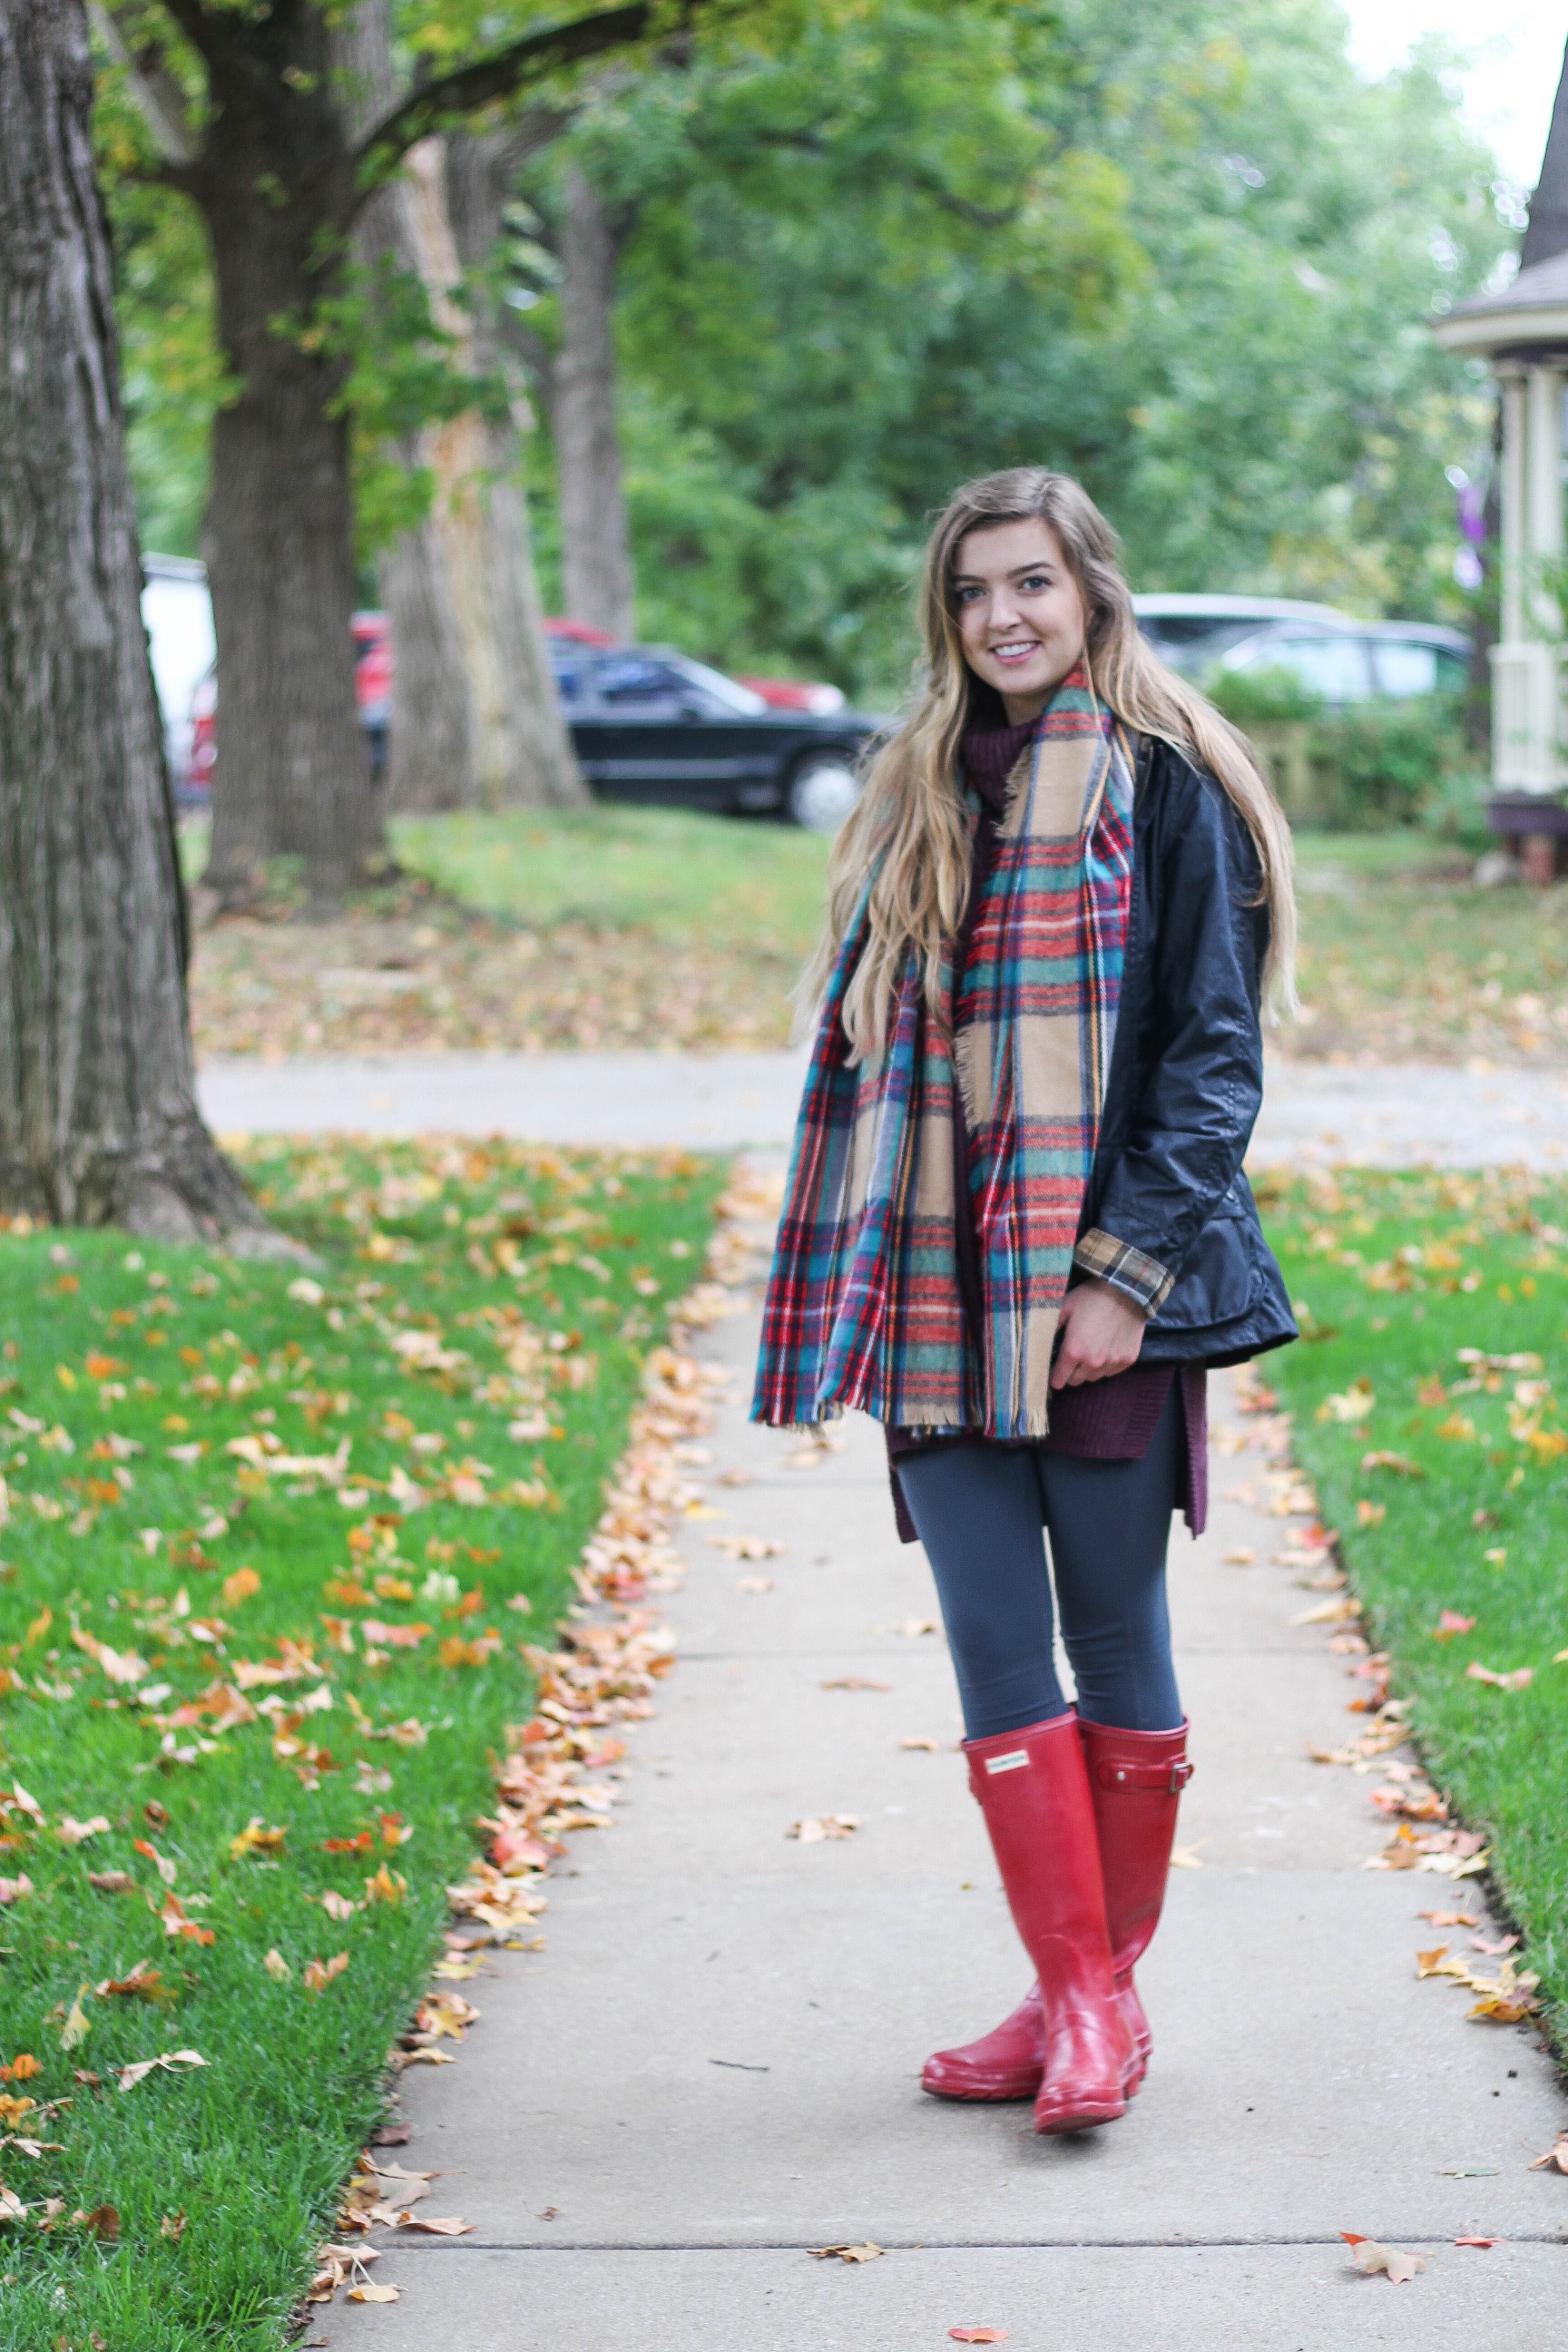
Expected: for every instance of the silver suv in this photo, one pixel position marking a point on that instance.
(1332, 655)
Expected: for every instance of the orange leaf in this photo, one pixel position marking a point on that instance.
(240, 1586)
(320, 1973)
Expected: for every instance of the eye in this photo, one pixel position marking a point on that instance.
(968, 592)
(1036, 583)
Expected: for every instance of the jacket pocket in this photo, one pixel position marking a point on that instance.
(1223, 1273)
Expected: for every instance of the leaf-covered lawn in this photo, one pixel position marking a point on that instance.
(273, 1542)
(1402, 957)
(532, 929)
(1429, 1398)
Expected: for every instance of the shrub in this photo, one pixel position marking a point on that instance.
(1357, 767)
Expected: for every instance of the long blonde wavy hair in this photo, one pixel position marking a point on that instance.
(911, 815)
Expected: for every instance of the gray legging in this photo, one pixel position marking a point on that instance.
(979, 1510)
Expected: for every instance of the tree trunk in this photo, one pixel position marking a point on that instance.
(430, 747)
(292, 776)
(98, 1114)
(526, 758)
(595, 541)
(430, 751)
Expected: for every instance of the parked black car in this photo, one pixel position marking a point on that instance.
(651, 724)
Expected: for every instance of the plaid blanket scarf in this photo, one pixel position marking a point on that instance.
(864, 1307)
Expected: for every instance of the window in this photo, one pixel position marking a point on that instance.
(1405, 668)
(1334, 667)
(627, 679)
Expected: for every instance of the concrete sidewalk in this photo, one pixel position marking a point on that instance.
(713, 2067)
(1397, 1115)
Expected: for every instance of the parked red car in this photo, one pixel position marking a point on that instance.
(373, 690)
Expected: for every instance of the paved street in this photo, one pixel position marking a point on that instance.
(1398, 1116)
(713, 2067)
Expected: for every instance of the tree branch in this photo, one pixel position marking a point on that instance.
(160, 100)
(468, 88)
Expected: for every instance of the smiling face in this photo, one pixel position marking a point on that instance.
(1020, 615)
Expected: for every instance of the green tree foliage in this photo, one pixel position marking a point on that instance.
(1186, 253)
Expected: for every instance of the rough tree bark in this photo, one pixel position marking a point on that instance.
(293, 768)
(594, 537)
(431, 746)
(525, 757)
(279, 179)
(98, 1116)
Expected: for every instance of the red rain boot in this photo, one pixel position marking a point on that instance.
(1034, 1792)
(1135, 1778)
(1135, 1843)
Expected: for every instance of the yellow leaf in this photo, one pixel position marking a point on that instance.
(320, 1973)
(256, 1838)
(368, 2293)
(78, 2025)
(240, 1586)
(277, 1967)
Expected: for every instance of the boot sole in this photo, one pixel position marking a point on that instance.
(1083, 2118)
(1132, 2082)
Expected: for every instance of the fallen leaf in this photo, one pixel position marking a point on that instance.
(1448, 1919)
(256, 1838)
(1371, 2258)
(1471, 2171)
(172, 2226)
(130, 2075)
(1519, 1679)
(1449, 1624)
(278, 1968)
(1329, 1612)
(1370, 1513)
(74, 1832)
(912, 1627)
(924, 1740)
(338, 1906)
(978, 2335)
(15, 1890)
(171, 1913)
(831, 1825)
(1242, 1556)
(144, 1982)
(22, 2069)
(1555, 2159)
(241, 1586)
(753, 1584)
(103, 2223)
(863, 2253)
(1402, 1465)
(318, 1974)
(78, 2025)
(371, 2294)
(855, 1683)
(1478, 2241)
(434, 2225)
(1187, 1857)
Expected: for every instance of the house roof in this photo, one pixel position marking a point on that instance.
(1528, 317)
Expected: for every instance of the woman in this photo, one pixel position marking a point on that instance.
(1016, 1231)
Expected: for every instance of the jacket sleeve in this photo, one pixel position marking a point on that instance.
(1204, 1082)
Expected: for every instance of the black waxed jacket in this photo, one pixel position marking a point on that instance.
(1186, 1074)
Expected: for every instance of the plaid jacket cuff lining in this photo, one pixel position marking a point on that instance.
(1139, 1277)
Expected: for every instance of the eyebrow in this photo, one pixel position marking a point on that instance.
(1040, 564)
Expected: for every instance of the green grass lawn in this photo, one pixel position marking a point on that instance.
(1403, 957)
(672, 873)
(1448, 1296)
(148, 1569)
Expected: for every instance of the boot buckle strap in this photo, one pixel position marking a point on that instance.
(1127, 1777)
